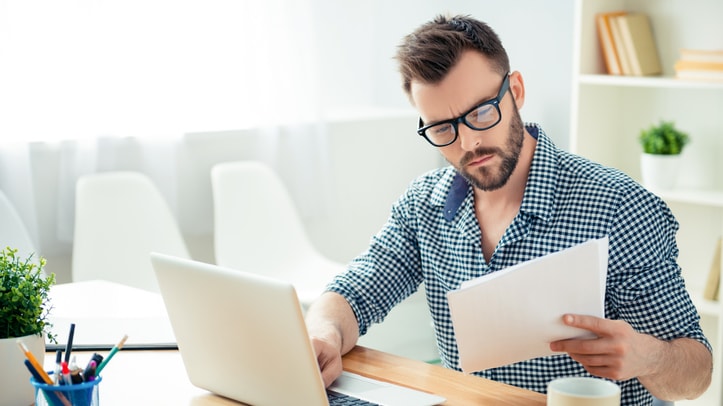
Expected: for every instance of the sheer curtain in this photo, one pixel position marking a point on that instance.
(98, 85)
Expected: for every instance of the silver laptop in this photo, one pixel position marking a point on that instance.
(242, 335)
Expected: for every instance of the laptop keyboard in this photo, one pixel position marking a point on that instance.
(340, 399)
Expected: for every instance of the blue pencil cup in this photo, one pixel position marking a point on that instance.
(79, 394)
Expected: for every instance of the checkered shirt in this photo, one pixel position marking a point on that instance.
(433, 236)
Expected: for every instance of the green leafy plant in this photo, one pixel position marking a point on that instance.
(663, 139)
(24, 303)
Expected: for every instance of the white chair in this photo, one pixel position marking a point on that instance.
(257, 228)
(13, 232)
(120, 218)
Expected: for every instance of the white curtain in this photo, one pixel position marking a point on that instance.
(165, 87)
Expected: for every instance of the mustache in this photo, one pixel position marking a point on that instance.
(479, 152)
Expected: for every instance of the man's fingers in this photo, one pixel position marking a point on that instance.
(590, 323)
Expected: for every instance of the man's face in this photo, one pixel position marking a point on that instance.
(486, 158)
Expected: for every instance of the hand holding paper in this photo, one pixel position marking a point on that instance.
(513, 314)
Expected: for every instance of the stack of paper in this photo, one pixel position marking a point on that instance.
(512, 315)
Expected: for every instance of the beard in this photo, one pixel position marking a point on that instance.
(492, 178)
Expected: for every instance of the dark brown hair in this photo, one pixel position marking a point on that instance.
(427, 54)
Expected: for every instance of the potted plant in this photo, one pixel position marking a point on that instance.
(24, 310)
(660, 161)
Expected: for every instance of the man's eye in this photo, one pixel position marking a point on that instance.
(483, 114)
(442, 129)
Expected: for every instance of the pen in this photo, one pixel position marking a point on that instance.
(89, 372)
(58, 359)
(111, 354)
(66, 373)
(51, 396)
(76, 374)
(69, 345)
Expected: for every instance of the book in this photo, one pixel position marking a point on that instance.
(693, 70)
(607, 44)
(702, 75)
(619, 45)
(711, 291)
(639, 44)
(701, 55)
(683, 64)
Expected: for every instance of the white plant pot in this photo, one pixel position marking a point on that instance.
(660, 172)
(15, 387)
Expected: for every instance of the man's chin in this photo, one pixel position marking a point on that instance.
(484, 182)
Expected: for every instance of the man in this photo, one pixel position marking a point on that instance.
(510, 195)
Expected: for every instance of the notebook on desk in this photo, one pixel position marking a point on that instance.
(242, 336)
(103, 312)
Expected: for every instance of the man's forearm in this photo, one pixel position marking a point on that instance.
(684, 370)
(331, 318)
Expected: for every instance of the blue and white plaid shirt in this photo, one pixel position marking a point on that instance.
(432, 236)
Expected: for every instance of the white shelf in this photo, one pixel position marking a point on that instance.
(705, 306)
(658, 82)
(713, 198)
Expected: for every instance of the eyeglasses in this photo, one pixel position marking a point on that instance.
(480, 117)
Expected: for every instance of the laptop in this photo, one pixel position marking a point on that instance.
(242, 335)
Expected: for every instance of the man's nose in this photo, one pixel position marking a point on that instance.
(469, 139)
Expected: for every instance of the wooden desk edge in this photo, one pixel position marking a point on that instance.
(458, 388)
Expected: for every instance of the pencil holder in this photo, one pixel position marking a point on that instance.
(79, 394)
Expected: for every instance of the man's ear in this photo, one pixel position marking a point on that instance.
(517, 88)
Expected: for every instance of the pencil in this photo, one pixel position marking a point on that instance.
(29, 355)
(113, 350)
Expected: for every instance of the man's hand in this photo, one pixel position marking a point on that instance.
(618, 352)
(329, 358)
(670, 370)
(333, 330)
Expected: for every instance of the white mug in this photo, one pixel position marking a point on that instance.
(582, 391)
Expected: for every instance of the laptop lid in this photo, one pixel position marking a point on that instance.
(240, 335)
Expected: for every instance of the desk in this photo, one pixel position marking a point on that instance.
(146, 377)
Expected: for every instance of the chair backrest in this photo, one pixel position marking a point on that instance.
(120, 218)
(13, 232)
(256, 224)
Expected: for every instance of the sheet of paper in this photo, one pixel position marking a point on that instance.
(513, 314)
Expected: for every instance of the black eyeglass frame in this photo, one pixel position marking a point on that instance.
(462, 118)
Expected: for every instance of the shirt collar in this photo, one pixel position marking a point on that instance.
(538, 197)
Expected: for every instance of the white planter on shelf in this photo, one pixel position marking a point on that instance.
(660, 172)
(15, 386)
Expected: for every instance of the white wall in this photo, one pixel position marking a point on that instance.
(374, 149)
(359, 39)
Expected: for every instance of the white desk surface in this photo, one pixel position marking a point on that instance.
(103, 312)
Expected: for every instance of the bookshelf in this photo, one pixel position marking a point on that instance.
(608, 112)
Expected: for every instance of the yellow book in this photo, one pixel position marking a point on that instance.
(702, 55)
(698, 65)
(639, 43)
(713, 282)
(607, 44)
(621, 52)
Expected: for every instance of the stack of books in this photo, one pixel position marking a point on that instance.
(628, 44)
(699, 64)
